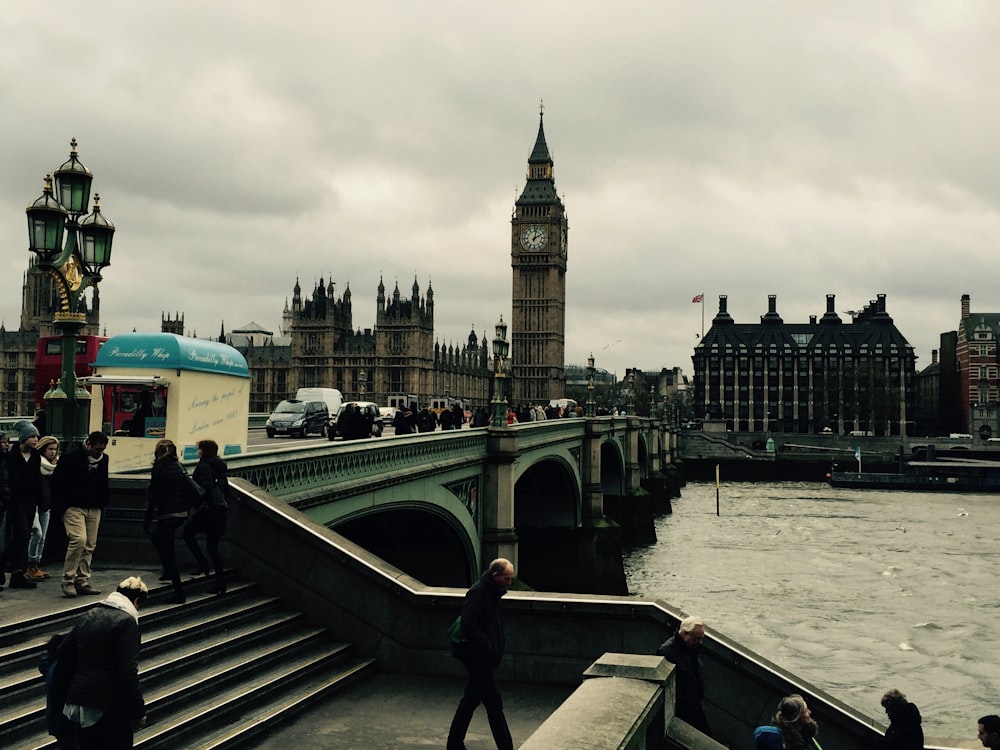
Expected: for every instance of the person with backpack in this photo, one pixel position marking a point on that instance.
(211, 515)
(168, 500)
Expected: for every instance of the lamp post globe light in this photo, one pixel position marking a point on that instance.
(501, 348)
(630, 403)
(591, 406)
(73, 267)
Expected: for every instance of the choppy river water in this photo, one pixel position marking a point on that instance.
(853, 591)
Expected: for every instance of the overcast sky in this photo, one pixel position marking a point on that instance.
(794, 148)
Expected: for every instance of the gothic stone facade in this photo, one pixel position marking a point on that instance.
(539, 234)
(396, 358)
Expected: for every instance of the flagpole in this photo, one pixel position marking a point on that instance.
(703, 315)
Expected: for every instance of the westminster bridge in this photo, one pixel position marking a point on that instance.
(559, 498)
(442, 503)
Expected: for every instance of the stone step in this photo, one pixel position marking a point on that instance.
(215, 671)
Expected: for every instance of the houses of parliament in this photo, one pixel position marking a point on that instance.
(320, 345)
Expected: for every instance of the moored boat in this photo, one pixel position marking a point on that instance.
(951, 475)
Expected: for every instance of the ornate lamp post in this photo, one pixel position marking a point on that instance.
(500, 350)
(73, 268)
(630, 408)
(652, 400)
(591, 406)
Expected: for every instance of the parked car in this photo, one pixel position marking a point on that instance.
(294, 417)
(372, 415)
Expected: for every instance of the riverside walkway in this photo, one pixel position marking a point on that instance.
(398, 711)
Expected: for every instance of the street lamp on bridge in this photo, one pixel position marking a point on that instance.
(591, 407)
(73, 267)
(500, 350)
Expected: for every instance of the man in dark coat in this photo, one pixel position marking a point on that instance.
(80, 485)
(480, 650)
(103, 695)
(24, 485)
(904, 732)
(683, 651)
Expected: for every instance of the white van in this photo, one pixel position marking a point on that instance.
(329, 396)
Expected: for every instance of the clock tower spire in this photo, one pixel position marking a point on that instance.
(539, 229)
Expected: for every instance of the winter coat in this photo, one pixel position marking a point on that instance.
(904, 732)
(170, 493)
(209, 474)
(105, 647)
(78, 482)
(690, 682)
(482, 624)
(24, 478)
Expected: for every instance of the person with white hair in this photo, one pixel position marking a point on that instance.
(683, 651)
(102, 655)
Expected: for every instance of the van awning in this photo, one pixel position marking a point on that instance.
(149, 381)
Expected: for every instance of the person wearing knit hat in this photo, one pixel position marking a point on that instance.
(25, 430)
(24, 478)
(48, 448)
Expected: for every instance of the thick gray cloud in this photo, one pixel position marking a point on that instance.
(746, 149)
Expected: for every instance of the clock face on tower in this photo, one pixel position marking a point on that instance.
(533, 237)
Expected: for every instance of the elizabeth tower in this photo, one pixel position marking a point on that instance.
(539, 231)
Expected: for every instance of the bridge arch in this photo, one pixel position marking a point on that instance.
(426, 529)
(547, 512)
(612, 468)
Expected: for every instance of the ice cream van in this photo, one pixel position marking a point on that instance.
(148, 386)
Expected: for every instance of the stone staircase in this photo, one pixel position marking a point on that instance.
(216, 672)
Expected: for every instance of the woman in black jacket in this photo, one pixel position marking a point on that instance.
(210, 517)
(168, 498)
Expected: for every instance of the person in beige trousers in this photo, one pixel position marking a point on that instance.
(80, 486)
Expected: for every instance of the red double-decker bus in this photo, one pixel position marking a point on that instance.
(48, 361)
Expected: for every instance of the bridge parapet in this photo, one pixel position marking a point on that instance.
(296, 474)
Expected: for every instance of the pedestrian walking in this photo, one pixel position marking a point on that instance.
(48, 450)
(169, 497)
(24, 483)
(102, 655)
(210, 517)
(480, 650)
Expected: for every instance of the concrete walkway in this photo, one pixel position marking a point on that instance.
(398, 711)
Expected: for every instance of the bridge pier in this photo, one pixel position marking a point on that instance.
(499, 536)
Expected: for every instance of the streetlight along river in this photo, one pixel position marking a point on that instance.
(853, 591)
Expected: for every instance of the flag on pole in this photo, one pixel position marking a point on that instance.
(698, 298)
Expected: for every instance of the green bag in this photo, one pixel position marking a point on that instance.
(455, 631)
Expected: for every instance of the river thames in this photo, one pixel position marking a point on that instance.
(853, 591)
